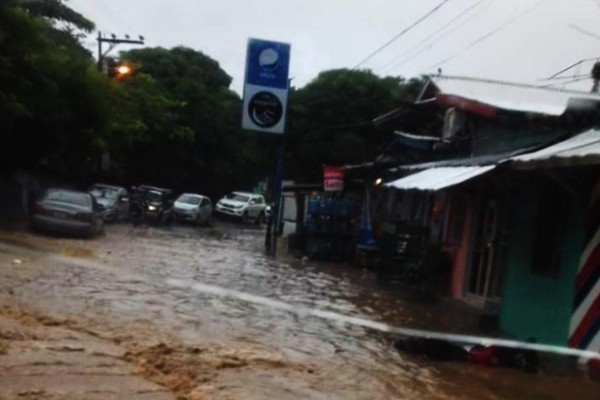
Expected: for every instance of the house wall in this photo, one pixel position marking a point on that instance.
(534, 305)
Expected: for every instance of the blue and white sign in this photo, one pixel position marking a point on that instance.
(266, 86)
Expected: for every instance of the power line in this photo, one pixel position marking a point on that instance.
(568, 82)
(392, 63)
(392, 40)
(566, 77)
(571, 67)
(489, 34)
(429, 46)
(584, 31)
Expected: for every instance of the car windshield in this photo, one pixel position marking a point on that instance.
(238, 197)
(63, 196)
(153, 195)
(189, 199)
(100, 192)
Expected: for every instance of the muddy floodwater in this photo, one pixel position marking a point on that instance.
(180, 300)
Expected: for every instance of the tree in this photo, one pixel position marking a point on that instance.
(52, 101)
(182, 123)
(331, 120)
(57, 11)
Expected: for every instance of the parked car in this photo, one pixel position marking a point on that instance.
(243, 205)
(114, 198)
(158, 203)
(68, 211)
(193, 207)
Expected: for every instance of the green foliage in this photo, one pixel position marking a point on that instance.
(331, 120)
(179, 124)
(52, 104)
(174, 122)
(56, 10)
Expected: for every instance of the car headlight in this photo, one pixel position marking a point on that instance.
(151, 208)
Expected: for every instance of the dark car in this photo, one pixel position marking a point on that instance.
(158, 203)
(68, 211)
(114, 198)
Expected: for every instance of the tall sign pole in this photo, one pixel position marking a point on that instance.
(266, 89)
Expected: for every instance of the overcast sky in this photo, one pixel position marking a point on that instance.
(327, 34)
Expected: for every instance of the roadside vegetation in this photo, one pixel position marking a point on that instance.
(174, 122)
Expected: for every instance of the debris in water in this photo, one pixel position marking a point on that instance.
(17, 261)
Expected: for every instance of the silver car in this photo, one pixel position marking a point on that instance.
(193, 207)
(68, 211)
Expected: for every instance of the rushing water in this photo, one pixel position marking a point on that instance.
(171, 279)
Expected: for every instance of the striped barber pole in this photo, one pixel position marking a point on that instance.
(584, 332)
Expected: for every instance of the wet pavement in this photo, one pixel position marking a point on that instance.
(180, 301)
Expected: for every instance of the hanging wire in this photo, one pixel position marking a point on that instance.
(396, 37)
(423, 45)
(489, 34)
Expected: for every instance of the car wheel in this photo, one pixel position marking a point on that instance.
(260, 219)
(245, 217)
(208, 221)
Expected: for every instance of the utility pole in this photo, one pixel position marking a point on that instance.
(113, 41)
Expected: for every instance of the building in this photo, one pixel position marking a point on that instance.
(508, 188)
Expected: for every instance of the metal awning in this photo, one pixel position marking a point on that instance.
(514, 96)
(581, 149)
(439, 178)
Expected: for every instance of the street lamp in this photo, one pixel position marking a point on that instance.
(123, 70)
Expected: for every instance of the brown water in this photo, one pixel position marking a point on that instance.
(138, 286)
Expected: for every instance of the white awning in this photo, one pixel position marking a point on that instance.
(582, 149)
(439, 178)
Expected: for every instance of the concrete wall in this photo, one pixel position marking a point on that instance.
(535, 305)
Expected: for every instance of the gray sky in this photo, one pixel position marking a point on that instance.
(327, 34)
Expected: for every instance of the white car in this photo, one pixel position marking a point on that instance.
(193, 207)
(247, 206)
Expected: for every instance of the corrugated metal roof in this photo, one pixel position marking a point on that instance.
(580, 149)
(478, 161)
(513, 96)
(438, 178)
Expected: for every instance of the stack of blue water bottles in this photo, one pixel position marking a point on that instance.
(330, 228)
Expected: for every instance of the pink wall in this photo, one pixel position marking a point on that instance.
(460, 251)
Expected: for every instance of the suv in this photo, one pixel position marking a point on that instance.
(243, 205)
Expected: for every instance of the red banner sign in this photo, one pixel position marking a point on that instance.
(333, 179)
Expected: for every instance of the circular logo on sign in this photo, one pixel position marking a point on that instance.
(268, 59)
(265, 109)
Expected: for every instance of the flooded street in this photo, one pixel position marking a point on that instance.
(192, 309)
